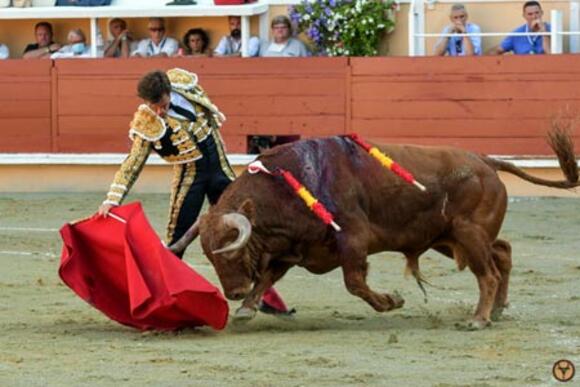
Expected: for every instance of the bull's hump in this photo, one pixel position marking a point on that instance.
(305, 155)
(316, 163)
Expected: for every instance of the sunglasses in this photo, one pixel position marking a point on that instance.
(160, 29)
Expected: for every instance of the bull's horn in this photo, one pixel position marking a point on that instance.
(244, 227)
(189, 236)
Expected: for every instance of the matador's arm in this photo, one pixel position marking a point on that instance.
(129, 171)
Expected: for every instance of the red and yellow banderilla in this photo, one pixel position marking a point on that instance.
(386, 161)
(311, 202)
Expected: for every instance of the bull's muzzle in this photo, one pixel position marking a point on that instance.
(237, 294)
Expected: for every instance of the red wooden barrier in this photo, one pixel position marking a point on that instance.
(497, 105)
(97, 98)
(25, 106)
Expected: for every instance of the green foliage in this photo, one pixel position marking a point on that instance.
(345, 27)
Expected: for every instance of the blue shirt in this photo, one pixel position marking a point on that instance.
(455, 43)
(524, 45)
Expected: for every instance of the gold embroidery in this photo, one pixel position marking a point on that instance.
(224, 163)
(129, 170)
(183, 142)
(182, 79)
(147, 125)
(183, 178)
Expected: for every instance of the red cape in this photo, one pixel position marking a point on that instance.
(123, 270)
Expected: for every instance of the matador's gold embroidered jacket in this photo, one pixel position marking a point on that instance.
(174, 139)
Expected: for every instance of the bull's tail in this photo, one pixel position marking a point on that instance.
(563, 146)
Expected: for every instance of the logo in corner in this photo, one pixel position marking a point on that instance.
(563, 370)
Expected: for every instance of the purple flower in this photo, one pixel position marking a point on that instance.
(295, 16)
(313, 32)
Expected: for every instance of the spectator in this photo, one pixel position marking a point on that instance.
(283, 44)
(231, 45)
(158, 44)
(459, 45)
(260, 144)
(44, 45)
(120, 41)
(196, 43)
(4, 51)
(525, 45)
(76, 48)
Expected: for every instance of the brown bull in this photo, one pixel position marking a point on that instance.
(259, 228)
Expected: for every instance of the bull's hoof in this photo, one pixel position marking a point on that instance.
(244, 314)
(396, 301)
(497, 312)
(473, 325)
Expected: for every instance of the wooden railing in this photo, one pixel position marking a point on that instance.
(496, 105)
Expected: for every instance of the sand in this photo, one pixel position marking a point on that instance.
(52, 338)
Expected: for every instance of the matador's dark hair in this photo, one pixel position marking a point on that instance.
(153, 86)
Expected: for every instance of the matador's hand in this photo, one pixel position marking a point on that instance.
(104, 209)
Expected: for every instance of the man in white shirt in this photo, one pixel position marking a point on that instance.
(158, 44)
(4, 51)
(231, 45)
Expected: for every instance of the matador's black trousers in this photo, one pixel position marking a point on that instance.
(210, 180)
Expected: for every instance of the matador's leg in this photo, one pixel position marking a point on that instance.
(187, 195)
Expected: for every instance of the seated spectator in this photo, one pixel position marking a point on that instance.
(526, 45)
(231, 45)
(196, 43)
(120, 41)
(158, 44)
(260, 144)
(76, 48)
(282, 44)
(459, 45)
(44, 45)
(4, 51)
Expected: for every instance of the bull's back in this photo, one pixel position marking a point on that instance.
(337, 170)
(355, 187)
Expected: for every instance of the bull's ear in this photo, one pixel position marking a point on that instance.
(248, 209)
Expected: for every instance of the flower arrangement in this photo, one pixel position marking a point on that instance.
(344, 27)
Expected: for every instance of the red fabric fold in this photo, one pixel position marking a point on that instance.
(274, 300)
(123, 270)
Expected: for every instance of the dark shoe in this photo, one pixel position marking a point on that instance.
(267, 309)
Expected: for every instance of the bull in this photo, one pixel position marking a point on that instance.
(259, 228)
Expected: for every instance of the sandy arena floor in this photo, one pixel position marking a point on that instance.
(52, 338)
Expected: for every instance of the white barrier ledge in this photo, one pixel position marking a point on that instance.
(234, 159)
(94, 159)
